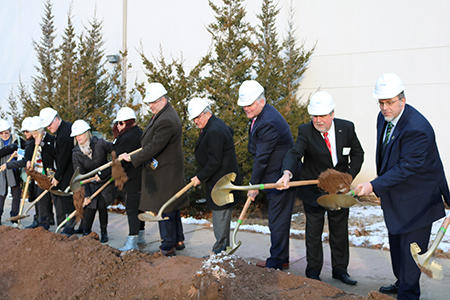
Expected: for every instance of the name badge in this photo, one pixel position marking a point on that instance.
(346, 150)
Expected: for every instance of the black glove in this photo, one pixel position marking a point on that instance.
(12, 147)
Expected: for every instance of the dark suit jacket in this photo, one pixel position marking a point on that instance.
(216, 154)
(161, 140)
(63, 155)
(311, 147)
(411, 179)
(268, 141)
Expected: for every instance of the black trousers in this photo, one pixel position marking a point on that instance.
(405, 269)
(89, 216)
(44, 208)
(171, 230)
(132, 201)
(338, 239)
(280, 214)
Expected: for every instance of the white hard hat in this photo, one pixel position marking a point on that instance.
(196, 106)
(388, 86)
(125, 113)
(249, 91)
(4, 125)
(25, 124)
(47, 115)
(320, 104)
(79, 127)
(154, 91)
(35, 124)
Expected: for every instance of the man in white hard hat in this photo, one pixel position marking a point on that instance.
(268, 141)
(163, 168)
(216, 154)
(63, 161)
(410, 181)
(8, 178)
(324, 143)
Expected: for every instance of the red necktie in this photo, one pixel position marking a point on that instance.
(253, 123)
(327, 141)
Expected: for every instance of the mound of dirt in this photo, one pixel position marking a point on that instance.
(37, 264)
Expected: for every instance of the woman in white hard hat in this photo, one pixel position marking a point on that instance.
(8, 178)
(127, 139)
(90, 153)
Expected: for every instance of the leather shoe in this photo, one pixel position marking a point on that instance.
(168, 253)
(345, 278)
(104, 237)
(262, 264)
(33, 225)
(389, 289)
(316, 277)
(180, 245)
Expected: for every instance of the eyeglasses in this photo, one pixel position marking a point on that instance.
(387, 103)
(199, 116)
(121, 123)
(4, 132)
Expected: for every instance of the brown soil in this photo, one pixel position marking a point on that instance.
(37, 264)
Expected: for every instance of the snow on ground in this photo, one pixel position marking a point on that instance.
(361, 232)
(374, 234)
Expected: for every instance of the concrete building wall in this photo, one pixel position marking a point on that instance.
(357, 41)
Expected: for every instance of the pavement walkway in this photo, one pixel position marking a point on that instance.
(371, 268)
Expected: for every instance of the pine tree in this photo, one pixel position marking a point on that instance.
(67, 70)
(44, 84)
(230, 65)
(295, 59)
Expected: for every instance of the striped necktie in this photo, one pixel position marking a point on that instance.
(327, 141)
(388, 133)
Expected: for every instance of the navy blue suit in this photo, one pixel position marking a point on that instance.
(269, 140)
(411, 183)
(311, 147)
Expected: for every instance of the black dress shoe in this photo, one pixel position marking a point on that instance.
(169, 253)
(389, 289)
(33, 225)
(104, 237)
(315, 277)
(345, 278)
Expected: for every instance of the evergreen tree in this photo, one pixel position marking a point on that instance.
(67, 70)
(269, 64)
(44, 84)
(230, 65)
(295, 59)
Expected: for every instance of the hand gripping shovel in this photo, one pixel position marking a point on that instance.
(234, 246)
(76, 177)
(90, 198)
(433, 269)
(27, 183)
(221, 191)
(148, 216)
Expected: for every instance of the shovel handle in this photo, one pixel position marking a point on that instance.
(87, 180)
(27, 183)
(244, 210)
(108, 164)
(90, 198)
(36, 200)
(266, 186)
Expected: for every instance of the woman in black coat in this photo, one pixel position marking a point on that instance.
(127, 139)
(90, 153)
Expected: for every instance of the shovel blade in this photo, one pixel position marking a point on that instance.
(221, 192)
(230, 250)
(336, 201)
(150, 217)
(75, 180)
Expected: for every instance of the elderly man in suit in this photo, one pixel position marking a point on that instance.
(411, 181)
(216, 154)
(63, 144)
(324, 143)
(269, 139)
(163, 168)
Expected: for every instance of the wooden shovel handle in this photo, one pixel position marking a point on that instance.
(291, 184)
(244, 210)
(27, 183)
